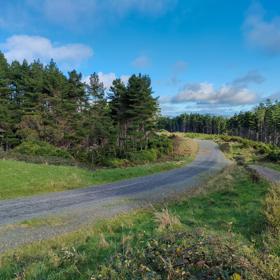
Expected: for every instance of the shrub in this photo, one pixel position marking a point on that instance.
(225, 147)
(264, 149)
(240, 160)
(182, 255)
(143, 156)
(162, 144)
(274, 155)
(116, 162)
(40, 148)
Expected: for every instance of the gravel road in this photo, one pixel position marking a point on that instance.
(83, 206)
(268, 173)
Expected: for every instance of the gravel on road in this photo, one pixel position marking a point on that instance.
(84, 206)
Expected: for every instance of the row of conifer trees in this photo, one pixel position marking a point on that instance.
(40, 103)
(260, 124)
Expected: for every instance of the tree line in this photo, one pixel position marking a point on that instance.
(40, 103)
(260, 124)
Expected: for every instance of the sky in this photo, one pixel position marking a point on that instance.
(207, 56)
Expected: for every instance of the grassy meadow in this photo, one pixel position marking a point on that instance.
(224, 230)
(19, 179)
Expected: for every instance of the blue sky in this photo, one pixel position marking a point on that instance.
(208, 56)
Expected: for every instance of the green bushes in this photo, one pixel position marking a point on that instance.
(162, 144)
(39, 148)
(274, 155)
(143, 156)
(181, 255)
(263, 150)
(116, 162)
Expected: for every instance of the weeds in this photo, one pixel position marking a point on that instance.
(272, 207)
(166, 220)
(181, 255)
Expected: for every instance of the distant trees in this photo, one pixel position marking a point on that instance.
(260, 124)
(194, 123)
(39, 102)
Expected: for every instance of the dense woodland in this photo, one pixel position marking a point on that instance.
(260, 124)
(40, 103)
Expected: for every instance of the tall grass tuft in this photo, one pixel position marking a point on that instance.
(272, 207)
(166, 220)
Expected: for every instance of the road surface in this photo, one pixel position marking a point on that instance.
(83, 206)
(269, 174)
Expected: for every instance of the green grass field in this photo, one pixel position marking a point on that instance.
(222, 224)
(20, 179)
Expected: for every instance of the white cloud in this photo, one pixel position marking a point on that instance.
(260, 32)
(125, 78)
(235, 93)
(108, 78)
(19, 47)
(206, 93)
(141, 61)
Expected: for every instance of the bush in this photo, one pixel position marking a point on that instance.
(225, 147)
(162, 144)
(182, 255)
(274, 155)
(39, 148)
(143, 156)
(116, 162)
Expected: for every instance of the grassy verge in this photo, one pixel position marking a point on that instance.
(238, 148)
(19, 179)
(222, 231)
(272, 165)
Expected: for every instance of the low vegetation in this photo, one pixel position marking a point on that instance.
(224, 230)
(20, 179)
(244, 150)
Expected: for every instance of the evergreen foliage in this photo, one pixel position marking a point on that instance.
(260, 124)
(40, 103)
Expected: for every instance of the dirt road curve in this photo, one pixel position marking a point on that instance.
(82, 206)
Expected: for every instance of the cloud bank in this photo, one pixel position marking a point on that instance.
(207, 94)
(20, 47)
(235, 93)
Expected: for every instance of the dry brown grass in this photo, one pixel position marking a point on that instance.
(166, 220)
(183, 146)
(103, 243)
(272, 207)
